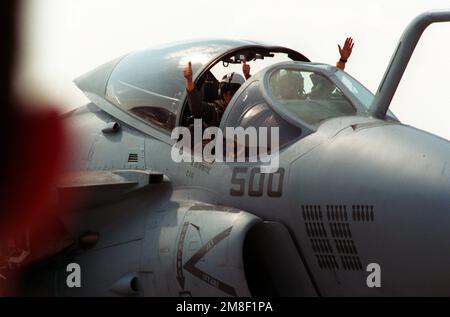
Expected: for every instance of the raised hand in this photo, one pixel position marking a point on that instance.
(187, 72)
(346, 51)
(246, 69)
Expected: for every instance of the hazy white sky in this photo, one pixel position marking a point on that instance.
(65, 38)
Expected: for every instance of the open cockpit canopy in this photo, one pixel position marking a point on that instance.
(149, 84)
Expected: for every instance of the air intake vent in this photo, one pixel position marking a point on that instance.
(363, 213)
(338, 229)
(132, 158)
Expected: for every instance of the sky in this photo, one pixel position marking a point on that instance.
(63, 39)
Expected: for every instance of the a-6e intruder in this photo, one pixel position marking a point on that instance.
(356, 191)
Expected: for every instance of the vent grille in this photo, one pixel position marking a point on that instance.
(133, 158)
(351, 263)
(318, 236)
(338, 230)
(363, 213)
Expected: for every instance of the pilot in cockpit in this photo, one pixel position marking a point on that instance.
(290, 85)
(323, 88)
(211, 112)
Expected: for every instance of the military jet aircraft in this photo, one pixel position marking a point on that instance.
(355, 189)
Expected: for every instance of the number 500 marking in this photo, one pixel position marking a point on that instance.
(256, 177)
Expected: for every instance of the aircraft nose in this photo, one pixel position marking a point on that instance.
(392, 162)
(403, 175)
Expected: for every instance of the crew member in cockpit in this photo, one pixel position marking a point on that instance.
(211, 112)
(322, 87)
(291, 84)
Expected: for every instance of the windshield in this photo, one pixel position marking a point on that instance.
(364, 96)
(309, 96)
